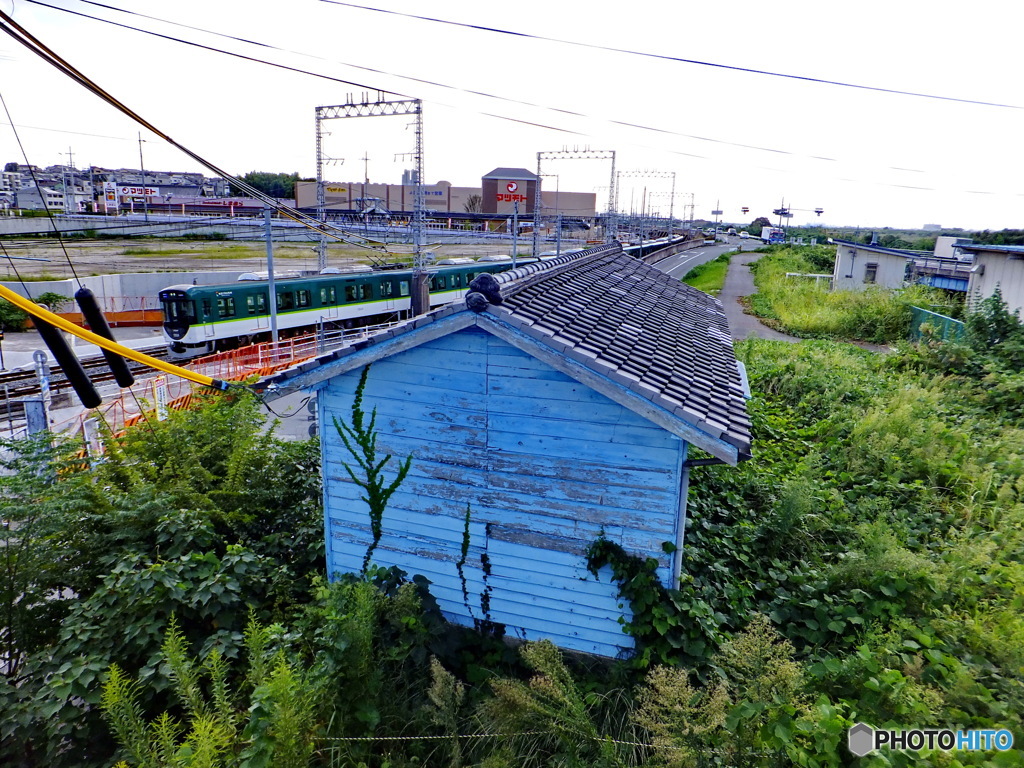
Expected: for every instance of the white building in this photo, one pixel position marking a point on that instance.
(859, 266)
(996, 266)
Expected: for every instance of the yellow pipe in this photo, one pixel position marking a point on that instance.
(56, 320)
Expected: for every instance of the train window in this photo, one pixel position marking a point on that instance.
(207, 311)
(285, 301)
(250, 304)
(442, 283)
(387, 288)
(469, 277)
(327, 295)
(178, 311)
(225, 306)
(261, 303)
(456, 281)
(366, 291)
(403, 288)
(302, 298)
(350, 292)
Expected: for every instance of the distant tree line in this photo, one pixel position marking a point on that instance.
(273, 184)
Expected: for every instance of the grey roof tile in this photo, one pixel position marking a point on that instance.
(647, 332)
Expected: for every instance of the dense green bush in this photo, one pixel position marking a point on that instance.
(808, 308)
(864, 565)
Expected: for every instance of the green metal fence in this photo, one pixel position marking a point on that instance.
(946, 328)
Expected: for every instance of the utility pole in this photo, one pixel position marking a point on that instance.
(71, 181)
(515, 233)
(271, 286)
(142, 166)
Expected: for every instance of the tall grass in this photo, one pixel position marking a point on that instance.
(710, 276)
(808, 308)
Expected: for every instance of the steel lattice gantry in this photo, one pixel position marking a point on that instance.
(576, 154)
(379, 107)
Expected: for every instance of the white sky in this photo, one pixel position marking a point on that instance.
(869, 159)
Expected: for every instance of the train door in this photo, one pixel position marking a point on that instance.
(256, 305)
(389, 294)
(329, 303)
(209, 324)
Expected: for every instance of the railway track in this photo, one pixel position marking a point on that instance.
(16, 385)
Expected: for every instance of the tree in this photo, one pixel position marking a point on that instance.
(756, 224)
(474, 204)
(273, 184)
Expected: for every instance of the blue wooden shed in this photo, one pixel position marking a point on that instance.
(535, 426)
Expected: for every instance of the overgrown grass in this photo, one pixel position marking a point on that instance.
(710, 276)
(807, 308)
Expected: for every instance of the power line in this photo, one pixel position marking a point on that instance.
(21, 35)
(473, 92)
(662, 57)
(422, 81)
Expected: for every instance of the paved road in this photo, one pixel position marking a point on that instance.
(677, 266)
(739, 282)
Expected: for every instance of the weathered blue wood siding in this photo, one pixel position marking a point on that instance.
(544, 463)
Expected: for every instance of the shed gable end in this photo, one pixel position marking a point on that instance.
(542, 463)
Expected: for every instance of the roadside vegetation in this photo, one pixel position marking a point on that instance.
(168, 607)
(805, 307)
(710, 276)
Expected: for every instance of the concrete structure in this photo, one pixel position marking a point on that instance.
(506, 189)
(996, 266)
(859, 266)
(947, 246)
(442, 197)
(535, 426)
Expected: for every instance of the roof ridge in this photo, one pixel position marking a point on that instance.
(529, 274)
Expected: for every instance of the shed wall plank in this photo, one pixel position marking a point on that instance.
(546, 465)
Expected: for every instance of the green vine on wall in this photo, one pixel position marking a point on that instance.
(361, 441)
(667, 626)
(484, 625)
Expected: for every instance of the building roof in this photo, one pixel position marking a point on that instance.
(1010, 249)
(617, 325)
(905, 253)
(510, 173)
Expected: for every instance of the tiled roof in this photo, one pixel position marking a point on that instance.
(641, 328)
(627, 321)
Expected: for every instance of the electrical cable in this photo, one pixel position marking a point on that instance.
(621, 123)
(298, 409)
(42, 198)
(65, 325)
(471, 92)
(662, 57)
(21, 35)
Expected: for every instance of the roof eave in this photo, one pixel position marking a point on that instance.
(315, 373)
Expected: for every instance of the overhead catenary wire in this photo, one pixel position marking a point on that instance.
(21, 35)
(42, 197)
(678, 59)
(544, 126)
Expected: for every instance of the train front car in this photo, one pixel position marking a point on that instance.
(179, 311)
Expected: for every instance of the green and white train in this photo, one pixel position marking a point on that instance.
(202, 319)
